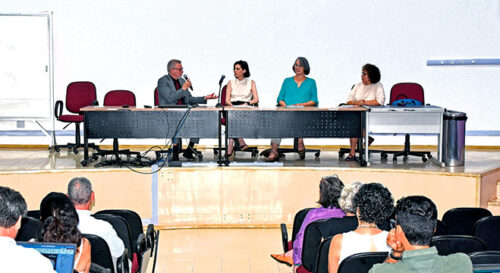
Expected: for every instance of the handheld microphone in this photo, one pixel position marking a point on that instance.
(187, 79)
(221, 79)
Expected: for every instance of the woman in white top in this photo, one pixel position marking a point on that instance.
(367, 92)
(240, 91)
(374, 205)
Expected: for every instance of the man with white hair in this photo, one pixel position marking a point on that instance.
(81, 194)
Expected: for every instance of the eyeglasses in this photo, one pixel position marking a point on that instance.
(393, 223)
(364, 74)
(180, 69)
(297, 65)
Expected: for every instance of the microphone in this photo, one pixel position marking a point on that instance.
(187, 79)
(221, 79)
(219, 104)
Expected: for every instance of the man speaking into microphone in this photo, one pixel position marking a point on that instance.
(173, 89)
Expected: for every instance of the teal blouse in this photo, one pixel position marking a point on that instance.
(291, 94)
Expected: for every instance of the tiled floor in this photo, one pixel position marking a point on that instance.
(219, 250)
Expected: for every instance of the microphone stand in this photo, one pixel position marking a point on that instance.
(219, 104)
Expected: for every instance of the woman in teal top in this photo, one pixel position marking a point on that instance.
(297, 91)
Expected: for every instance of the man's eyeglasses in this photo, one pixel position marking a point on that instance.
(180, 69)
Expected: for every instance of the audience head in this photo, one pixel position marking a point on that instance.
(59, 220)
(374, 203)
(372, 72)
(80, 192)
(330, 188)
(302, 62)
(347, 196)
(12, 209)
(417, 217)
(243, 66)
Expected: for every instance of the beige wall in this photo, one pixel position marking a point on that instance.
(201, 197)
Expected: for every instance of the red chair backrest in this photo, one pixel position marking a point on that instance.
(407, 90)
(223, 95)
(79, 95)
(157, 99)
(119, 98)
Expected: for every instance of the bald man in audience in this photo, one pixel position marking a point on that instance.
(14, 258)
(81, 194)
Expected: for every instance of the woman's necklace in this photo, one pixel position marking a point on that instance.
(367, 226)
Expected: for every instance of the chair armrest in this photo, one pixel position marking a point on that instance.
(122, 263)
(141, 243)
(95, 103)
(58, 108)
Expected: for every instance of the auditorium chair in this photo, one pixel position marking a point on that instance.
(406, 94)
(488, 229)
(122, 229)
(30, 229)
(361, 262)
(237, 148)
(120, 98)
(441, 228)
(78, 95)
(134, 221)
(152, 239)
(460, 221)
(322, 257)
(101, 255)
(489, 257)
(450, 244)
(297, 222)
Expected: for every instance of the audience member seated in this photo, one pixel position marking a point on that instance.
(349, 221)
(14, 258)
(60, 225)
(416, 218)
(330, 188)
(374, 204)
(81, 194)
(240, 91)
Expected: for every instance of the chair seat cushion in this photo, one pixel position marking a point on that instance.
(71, 118)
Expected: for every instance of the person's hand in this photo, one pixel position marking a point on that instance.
(397, 247)
(211, 96)
(186, 85)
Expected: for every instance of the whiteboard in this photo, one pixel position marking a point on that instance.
(26, 67)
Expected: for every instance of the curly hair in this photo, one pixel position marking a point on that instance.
(330, 188)
(373, 72)
(374, 202)
(59, 220)
(347, 196)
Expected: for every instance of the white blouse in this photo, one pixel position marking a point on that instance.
(367, 92)
(241, 90)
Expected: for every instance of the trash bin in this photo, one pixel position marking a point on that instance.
(454, 138)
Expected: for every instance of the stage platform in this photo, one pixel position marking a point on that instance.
(249, 192)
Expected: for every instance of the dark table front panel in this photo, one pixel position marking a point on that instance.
(150, 124)
(316, 124)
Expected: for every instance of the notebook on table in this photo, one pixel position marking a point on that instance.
(62, 256)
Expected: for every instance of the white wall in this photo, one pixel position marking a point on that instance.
(121, 44)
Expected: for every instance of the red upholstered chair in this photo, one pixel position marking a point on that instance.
(156, 98)
(78, 95)
(401, 94)
(117, 98)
